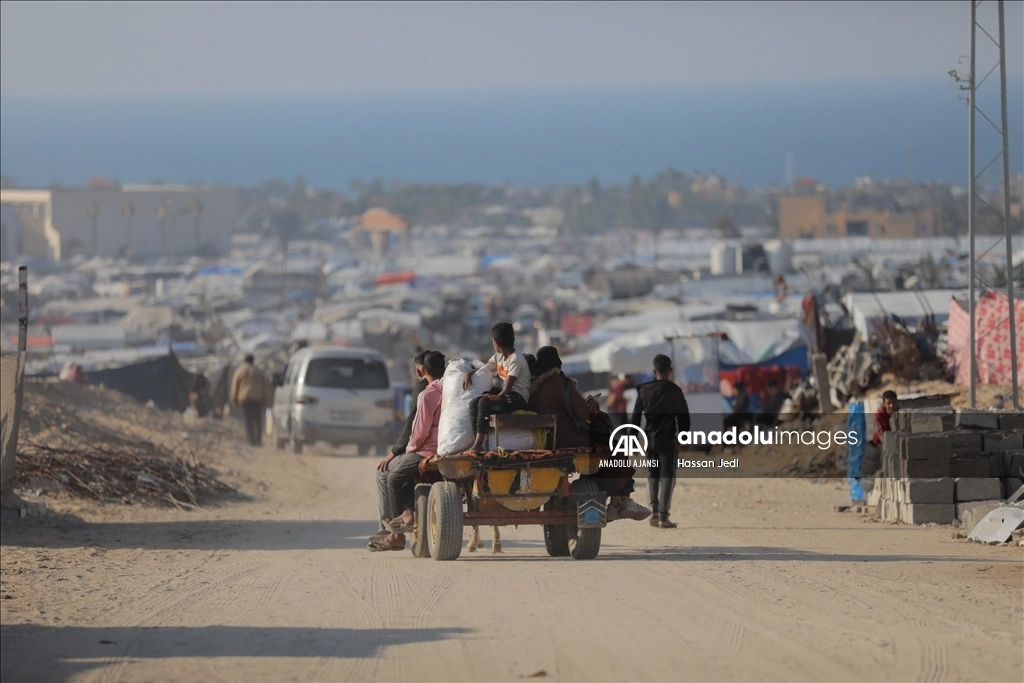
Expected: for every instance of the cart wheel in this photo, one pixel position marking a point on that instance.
(584, 544)
(556, 536)
(444, 521)
(419, 546)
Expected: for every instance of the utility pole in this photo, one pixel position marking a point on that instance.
(22, 308)
(1014, 370)
(973, 85)
(970, 206)
(94, 212)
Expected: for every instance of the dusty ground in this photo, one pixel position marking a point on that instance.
(762, 581)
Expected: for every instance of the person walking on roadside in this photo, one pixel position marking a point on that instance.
(663, 405)
(251, 392)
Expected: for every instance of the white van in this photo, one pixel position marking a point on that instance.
(339, 396)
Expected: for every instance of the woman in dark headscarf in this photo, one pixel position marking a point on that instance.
(547, 397)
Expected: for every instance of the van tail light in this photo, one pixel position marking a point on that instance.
(383, 403)
(307, 400)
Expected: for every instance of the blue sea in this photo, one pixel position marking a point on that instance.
(835, 132)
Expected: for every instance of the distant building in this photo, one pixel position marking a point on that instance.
(138, 220)
(380, 223)
(808, 216)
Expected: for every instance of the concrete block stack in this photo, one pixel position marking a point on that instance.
(940, 465)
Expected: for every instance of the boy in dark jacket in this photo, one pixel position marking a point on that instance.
(663, 404)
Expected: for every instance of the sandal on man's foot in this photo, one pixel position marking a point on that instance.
(399, 526)
(384, 545)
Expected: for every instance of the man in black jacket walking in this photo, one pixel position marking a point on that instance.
(662, 403)
(384, 467)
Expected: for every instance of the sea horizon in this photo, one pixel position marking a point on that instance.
(836, 132)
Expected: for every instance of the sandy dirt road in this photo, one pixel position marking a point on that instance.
(760, 582)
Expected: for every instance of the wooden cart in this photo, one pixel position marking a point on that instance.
(520, 488)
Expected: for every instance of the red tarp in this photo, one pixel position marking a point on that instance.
(575, 324)
(395, 278)
(33, 342)
(992, 335)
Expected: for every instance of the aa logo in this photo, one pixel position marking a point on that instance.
(626, 443)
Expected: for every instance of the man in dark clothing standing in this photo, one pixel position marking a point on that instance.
(769, 415)
(740, 415)
(663, 405)
(390, 461)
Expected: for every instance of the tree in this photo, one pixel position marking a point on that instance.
(726, 228)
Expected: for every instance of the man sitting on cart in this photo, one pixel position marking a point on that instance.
(422, 444)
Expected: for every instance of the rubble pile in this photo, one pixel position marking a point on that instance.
(908, 354)
(142, 472)
(89, 442)
(940, 465)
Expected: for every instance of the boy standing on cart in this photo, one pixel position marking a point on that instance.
(511, 367)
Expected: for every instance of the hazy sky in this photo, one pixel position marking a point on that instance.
(73, 48)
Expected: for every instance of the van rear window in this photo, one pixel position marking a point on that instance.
(346, 373)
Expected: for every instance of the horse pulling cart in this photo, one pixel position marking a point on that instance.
(500, 488)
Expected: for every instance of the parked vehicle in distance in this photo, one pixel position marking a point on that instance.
(339, 396)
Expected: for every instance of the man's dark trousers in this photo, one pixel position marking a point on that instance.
(661, 480)
(253, 412)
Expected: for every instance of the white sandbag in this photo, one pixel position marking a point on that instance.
(455, 430)
(513, 440)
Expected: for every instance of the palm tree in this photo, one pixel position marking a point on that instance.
(93, 212)
(196, 209)
(128, 211)
(161, 214)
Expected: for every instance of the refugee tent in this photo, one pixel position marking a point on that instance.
(992, 335)
(869, 310)
(160, 380)
(747, 342)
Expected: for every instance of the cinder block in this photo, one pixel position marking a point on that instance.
(1013, 464)
(924, 469)
(1000, 442)
(874, 495)
(924, 422)
(915, 513)
(1010, 486)
(996, 465)
(890, 463)
(979, 465)
(890, 443)
(920, 447)
(977, 489)
(970, 514)
(1011, 420)
(965, 442)
(932, 491)
(977, 419)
